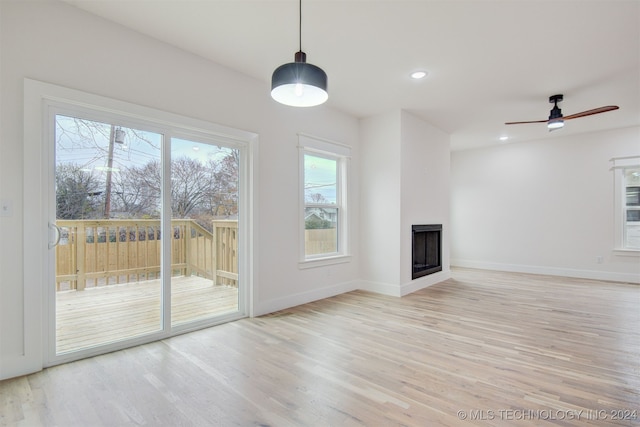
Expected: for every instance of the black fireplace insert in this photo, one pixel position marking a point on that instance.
(426, 249)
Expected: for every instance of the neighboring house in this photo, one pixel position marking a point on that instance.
(322, 214)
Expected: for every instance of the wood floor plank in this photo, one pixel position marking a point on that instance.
(483, 348)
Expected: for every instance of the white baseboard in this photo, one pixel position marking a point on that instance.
(551, 271)
(389, 289)
(289, 301)
(395, 290)
(18, 365)
(424, 282)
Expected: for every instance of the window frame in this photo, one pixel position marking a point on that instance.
(314, 146)
(619, 167)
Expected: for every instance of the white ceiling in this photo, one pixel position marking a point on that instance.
(488, 61)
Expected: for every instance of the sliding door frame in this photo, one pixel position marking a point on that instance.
(42, 102)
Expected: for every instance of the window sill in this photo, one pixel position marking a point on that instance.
(627, 252)
(321, 262)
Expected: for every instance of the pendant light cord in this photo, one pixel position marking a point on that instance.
(300, 24)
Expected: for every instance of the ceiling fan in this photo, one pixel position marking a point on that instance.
(556, 119)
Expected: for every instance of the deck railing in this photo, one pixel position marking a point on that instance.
(106, 252)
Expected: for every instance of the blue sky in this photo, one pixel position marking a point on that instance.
(320, 177)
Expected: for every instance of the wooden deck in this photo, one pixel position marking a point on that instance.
(116, 312)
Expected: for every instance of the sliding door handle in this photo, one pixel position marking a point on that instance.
(58, 235)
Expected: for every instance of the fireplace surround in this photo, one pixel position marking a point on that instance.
(426, 253)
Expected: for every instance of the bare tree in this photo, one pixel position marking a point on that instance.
(101, 147)
(316, 198)
(191, 186)
(136, 190)
(128, 177)
(224, 191)
(199, 191)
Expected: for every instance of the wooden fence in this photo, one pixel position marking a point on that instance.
(320, 241)
(106, 252)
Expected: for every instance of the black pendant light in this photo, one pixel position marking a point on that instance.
(298, 83)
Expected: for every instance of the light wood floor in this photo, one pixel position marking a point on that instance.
(483, 348)
(108, 313)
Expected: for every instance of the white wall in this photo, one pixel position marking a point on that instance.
(405, 176)
(56, 43)
(425, 192)
(380, 200)
(542, 206)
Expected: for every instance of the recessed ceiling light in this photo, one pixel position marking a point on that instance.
(418, 75)
(504, 138)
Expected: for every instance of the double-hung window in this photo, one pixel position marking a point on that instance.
(627, 203)
(631, 208)
(323, 185)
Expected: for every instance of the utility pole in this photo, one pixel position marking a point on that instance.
(107, 197)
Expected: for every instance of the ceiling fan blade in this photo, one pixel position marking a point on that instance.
(592, 112)
(573, 116)
(520, 123)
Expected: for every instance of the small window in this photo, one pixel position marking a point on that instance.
(323, 167)
(631, 208)
(321, 210)
(627, 202)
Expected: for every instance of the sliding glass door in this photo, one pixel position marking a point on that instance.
(144, 232)
(204, 226)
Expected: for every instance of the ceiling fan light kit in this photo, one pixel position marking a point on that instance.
(556, 119)
(555, 116)
(554, 124)
(298, 83)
